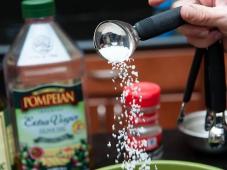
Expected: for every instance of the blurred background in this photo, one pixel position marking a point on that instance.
(77, 18)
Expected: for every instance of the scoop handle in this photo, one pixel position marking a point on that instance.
(216, 74)
(160, 23)
(207, 82)
(199, 53)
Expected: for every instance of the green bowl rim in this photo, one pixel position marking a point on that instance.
(170, 162)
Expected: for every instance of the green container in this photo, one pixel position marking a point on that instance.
(170, 165)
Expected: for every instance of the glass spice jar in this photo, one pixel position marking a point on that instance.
(143, 103)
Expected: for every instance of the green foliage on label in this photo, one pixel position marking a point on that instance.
(2, 166)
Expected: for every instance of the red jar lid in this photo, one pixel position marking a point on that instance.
(150, 93)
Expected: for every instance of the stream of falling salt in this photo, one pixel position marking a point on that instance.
(132, 156)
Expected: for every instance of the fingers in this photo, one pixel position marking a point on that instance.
(155, 2)
(200, 37)
(178, 3)
(205, 17)
(209, 3)
(203, 42)
(195, 31)
(201, 15)
(220, 2)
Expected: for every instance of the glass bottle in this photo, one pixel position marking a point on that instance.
(7, 143)
(43, 75)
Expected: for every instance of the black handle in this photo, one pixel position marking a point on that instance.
(199, 53)
(207, 82)
(216, 76)
(160, 23)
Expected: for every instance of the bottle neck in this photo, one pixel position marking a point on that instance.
(40, 20)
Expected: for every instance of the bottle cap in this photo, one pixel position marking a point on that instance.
(37, 8)
(145, 94)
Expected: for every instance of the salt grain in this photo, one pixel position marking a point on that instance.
(128, 76)
(113, 127)
(109, 144)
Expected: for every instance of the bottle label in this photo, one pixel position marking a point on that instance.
(51, 127)
(147, 143)
(42, 46)
(4, 154)
(145, 119)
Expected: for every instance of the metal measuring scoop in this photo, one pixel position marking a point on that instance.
(115, 36)
(217, 93)
(116, 40)
(217, 131)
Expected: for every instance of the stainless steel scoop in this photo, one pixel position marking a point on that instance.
(116, 40)
(217, 131)
(117, 37)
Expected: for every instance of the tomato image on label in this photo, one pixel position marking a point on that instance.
(36, 152)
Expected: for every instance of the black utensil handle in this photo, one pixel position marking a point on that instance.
(216, 71)
(206, 82)
(194, 70)
(160, 23)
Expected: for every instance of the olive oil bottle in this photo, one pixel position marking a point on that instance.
(43, 72)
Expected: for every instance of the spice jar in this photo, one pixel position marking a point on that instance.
(145, 132)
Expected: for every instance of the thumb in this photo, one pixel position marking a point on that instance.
(200, 15)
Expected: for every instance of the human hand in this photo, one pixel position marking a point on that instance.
(207, 24)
